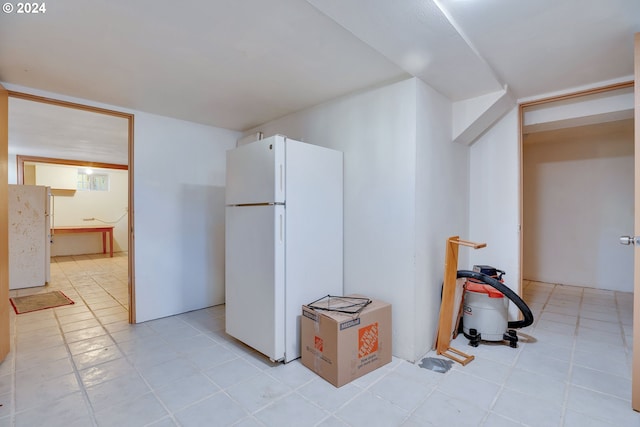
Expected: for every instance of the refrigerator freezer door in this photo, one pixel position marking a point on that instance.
(256, 172)
(254, 277)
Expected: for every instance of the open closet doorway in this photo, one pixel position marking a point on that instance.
(84, 154)
(577, 189)
(579, 196)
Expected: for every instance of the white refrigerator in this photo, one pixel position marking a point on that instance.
(284, 239)
(29, 236)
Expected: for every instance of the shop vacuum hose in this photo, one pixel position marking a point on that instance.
(522, 306)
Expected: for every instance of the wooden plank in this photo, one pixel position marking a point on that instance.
(448, 295)
(448, 306)
(65, 229)
(453, 354)
(471, 244)
(4, 224)
(635, 369)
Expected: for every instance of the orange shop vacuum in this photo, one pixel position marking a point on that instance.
(486, 307)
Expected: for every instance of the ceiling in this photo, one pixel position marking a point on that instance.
(66, 133)
(238, 64)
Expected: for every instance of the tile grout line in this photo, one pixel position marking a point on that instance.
(512, 367)
(124, 355)
(434, 387)
(198, 323)
(76, 371)
(12, 407)
(568, 381)
(85, 395)
(627, 349)
(153, 390)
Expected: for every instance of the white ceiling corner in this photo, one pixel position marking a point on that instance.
(543, 46)
(418, 37)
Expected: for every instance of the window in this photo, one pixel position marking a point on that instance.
(89, 181)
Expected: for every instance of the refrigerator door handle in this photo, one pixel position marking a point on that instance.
(281, 229)
(281, 178)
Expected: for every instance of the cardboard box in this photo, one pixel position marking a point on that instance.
(341, 347)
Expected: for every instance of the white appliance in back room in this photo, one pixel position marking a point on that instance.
(29, 236)
(283, 239)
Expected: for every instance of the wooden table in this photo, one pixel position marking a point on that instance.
(104, 229)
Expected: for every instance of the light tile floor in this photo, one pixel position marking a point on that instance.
(84, 365)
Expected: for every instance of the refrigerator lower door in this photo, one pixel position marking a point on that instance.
(254, 277)
(27, 236)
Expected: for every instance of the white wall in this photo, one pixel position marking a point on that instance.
(179, 170)
(376, 132)
(494, 202)
(179, 182)
(578, 199)
(442, 194)
(12, 168)
(399, 164)
(108, 206)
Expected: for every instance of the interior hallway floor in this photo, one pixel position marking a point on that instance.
(84, 365)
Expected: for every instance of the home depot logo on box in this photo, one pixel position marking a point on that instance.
(367, 340)
(318, 344)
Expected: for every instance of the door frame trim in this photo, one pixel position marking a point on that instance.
(5, 320)
(21, 159)
(635, 356)
(130, 118)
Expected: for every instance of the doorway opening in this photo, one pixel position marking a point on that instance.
(577, 188)
(577, 166)
(69, 135)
